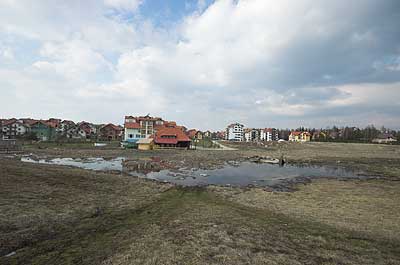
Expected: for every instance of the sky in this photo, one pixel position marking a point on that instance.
(203, 63)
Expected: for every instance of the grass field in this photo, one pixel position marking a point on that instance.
(62, 215)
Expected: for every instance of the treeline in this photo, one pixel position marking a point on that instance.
(346, 134)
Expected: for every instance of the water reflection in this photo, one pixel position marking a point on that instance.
(235, 174)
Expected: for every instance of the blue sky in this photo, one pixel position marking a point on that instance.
(203, 63)
(164, 12)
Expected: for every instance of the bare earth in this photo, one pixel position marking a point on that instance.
(62, 215)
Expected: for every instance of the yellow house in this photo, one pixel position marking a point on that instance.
(300, 137)
(145, 144)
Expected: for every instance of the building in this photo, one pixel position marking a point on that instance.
(64, 126)
(171, 137)
(45, 131)
(299, 136)
(220, 135)
(136, 128)
(111, 132)
(191, 133)
(199, 135)
(269, 134)
(207, 134)
(145, 144)
(385, 138)
(14, 128)
(247, 134)
(251, 135)
(234, 132)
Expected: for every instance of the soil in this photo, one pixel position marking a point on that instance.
(62, 215)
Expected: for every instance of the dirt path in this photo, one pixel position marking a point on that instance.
(223, 147)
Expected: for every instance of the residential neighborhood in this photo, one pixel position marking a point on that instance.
(168, 134)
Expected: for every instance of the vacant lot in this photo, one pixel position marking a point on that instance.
(62, 215)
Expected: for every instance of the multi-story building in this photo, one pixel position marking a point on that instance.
(140, 127)
(234, 132)
(269, 134)
(14, 128)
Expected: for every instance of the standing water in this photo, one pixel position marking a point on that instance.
(242, 174)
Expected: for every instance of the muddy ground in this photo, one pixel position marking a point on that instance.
(61, 215)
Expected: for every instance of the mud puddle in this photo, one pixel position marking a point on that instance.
(230, 174)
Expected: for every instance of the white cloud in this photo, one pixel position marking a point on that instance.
(7, 53)
(124, 5)
(72, 60)
(254, 61)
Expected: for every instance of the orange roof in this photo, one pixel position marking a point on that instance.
(114, 127)
(132, 125)
(176, 135)
(9, 122)
(299, 133)
(48, 124)
(191, 133)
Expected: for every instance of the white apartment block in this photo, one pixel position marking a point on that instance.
(251, 135)
(234, 132)
(269, 134)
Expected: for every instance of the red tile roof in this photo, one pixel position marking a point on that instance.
(9, 122)
(192, 133)
(51, 124)
(168, 135)
(112, 126)
(166, 141)
(48, 124)
(28, 121)
(132, 125)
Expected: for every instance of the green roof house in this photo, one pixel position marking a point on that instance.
(44, 131)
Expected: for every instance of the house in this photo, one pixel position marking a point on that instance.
(145, 144)
(299, 136)
(191, 133)
(54, 122)
(171, 137)
(385, 138)
(28, 121)
(14, 128)
(45, 131)
(110, 132)
(220, 135)
(136, 128)
(199, 135)
(85, 130)
(269, 134)
(207, 134)
(64, 126)
(234, 132)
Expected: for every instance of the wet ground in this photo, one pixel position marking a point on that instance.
(56, 214)
(232, 173)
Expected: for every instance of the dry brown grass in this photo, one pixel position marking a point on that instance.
(60, 215)
(370, 207)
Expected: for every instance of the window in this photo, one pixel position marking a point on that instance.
(131, 136)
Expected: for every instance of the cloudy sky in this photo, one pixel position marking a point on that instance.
(203, 63)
